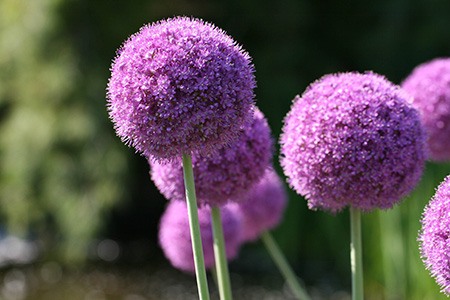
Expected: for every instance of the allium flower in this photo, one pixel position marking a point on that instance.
(435, 236)
(429, 86)
(263, 206)
(227, 174)
(180, 86)
(352, 139)
(175, 238)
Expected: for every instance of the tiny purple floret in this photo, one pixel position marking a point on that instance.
(175, 238)
(263, 206)
(429, 86)
(180, 86)
(434, 237)
(352, 140)
(225, 175)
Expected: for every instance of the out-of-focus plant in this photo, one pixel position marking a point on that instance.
(60, 167)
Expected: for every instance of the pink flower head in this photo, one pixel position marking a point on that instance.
(435, 236)
(175, 238)
(352, 139)
(429, 86)
(262, 208)
(180, 86)
(225, 175)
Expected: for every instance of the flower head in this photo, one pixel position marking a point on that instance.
(429, 86)
(180, 86)
(224, 175)
(352, 139)
(435, 236)
(175, 238)
(263, 206)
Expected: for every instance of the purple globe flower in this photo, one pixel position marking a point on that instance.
(435, 236)
(263, 206)
(352, 139)
(225, 175)
(180, 86)
(429, 86)
(175, 238)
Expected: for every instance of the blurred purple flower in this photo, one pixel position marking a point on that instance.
(435, 236)
(262, 208)
(227, 174)
(180, 86)
(175, 238)
(429, 86)
(352, 139)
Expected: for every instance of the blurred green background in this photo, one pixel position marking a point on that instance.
(83, 203)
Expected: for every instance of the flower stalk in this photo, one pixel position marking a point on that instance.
(223, 277)
(356, 254)
(283, 266)
(194, 226)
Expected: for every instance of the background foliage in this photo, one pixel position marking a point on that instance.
(66, 178)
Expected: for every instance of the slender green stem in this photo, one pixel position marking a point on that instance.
(283, 266)
(220, 256)
(356, 254)
(197, 249)
(213, 273)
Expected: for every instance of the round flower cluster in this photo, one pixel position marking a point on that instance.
(435, 236)
(225, 175)
(262, 208)
(352, 139)
(180, 86)
(175, 238)
(429, 86)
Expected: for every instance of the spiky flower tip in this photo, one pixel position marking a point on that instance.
(180, 86)
(175, 238)
(224, 175)
(352, 140)
(263, 206)
(429, 86)
(434, 237)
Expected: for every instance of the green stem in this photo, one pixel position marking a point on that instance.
(213, 273)
(283, 266)
(194, 227)
(223, 276)
(356, 254)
